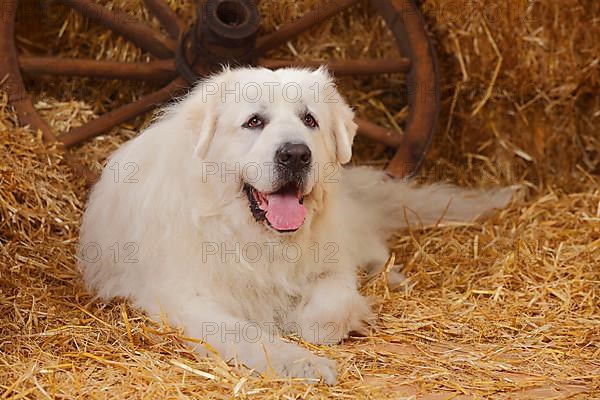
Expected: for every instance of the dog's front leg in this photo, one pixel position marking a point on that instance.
(333, 309)
(254, 345)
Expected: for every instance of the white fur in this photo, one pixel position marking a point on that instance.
(152, 237)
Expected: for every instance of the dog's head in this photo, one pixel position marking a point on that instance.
(280, 136)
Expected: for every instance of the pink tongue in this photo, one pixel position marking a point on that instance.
(284, 211)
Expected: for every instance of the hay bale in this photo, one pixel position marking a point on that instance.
(507, 308)
(520, 83)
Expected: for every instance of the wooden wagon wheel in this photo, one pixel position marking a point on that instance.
(225, 30)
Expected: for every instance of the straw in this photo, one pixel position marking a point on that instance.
(506, 308)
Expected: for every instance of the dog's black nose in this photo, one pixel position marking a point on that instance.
(295, 156)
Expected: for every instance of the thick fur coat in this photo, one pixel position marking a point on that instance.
(195, 220)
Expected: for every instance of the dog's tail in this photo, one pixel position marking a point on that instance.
(397, 204)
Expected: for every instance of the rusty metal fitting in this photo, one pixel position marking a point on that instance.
(226, 32)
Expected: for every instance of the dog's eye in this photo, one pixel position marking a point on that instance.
(310, 121)
(254, 122)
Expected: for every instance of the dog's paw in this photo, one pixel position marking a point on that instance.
(330, 316)
(310, 367)
(396, 277)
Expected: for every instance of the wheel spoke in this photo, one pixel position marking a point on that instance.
(123, 24)
(386, 136)
(157, 71)
(292, 29)
(12, 83)
(166, 16)
(366, 67)
(122, 114)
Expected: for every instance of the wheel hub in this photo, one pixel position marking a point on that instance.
(224, 33)
(227, 31)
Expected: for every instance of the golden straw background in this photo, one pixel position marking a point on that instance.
(508, 308)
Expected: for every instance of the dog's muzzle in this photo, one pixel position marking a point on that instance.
(283, 209)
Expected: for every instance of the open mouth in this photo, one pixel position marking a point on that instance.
(283, 210)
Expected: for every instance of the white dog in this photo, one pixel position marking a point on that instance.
(232, 216)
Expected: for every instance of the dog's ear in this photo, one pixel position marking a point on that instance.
(199, 110)
(204, 131)
(343, 126)
(203, 117)
(344, 130)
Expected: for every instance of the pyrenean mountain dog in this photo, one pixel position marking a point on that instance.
(232, 216)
